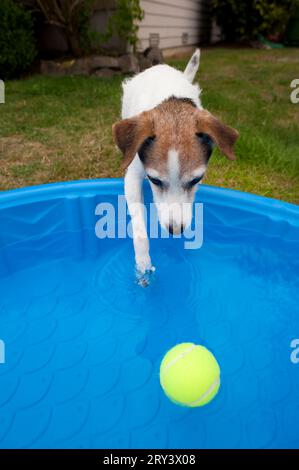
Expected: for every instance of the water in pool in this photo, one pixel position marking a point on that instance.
(83, 344)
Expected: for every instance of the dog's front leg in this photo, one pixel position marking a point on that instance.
(134, 196)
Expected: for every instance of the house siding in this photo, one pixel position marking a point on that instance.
(174, 23)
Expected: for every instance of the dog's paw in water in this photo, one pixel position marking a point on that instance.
(144, 278)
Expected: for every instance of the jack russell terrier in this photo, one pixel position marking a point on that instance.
(166, 136)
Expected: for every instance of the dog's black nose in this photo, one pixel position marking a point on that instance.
(177, 230)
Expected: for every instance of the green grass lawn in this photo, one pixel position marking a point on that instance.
(57, 129)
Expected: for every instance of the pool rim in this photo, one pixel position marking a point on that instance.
(262, 205)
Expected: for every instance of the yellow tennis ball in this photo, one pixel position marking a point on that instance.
(190, 375)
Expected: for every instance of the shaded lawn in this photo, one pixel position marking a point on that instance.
(57, 129)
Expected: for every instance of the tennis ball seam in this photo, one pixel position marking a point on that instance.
(212, 387)
(178, 357)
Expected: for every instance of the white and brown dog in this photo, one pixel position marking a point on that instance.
(167, 137)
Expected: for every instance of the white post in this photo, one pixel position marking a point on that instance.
(2, 92)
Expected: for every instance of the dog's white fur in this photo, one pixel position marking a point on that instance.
(175, 204)
(149, 88)
(142, 93)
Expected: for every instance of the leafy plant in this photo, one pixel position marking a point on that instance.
(72, 16)
(17, 44)
(124, 22)
(247, 19)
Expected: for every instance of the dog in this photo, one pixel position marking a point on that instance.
(167, 137)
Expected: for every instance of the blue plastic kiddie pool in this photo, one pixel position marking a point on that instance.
(82, 341)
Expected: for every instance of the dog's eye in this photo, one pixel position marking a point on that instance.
(205, 138)
(142, 151)
(207, 141)
(193, 182)
(156, 181)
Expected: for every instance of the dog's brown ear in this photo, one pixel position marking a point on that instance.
(224, 136)
(129, 134)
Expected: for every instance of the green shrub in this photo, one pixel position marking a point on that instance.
(123, 23)
(89, 40)
(247, 19)
(73, 19)
(17, 45)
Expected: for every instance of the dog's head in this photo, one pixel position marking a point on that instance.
(174, 142)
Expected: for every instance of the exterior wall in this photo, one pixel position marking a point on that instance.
(168, 24)
(174, 23)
